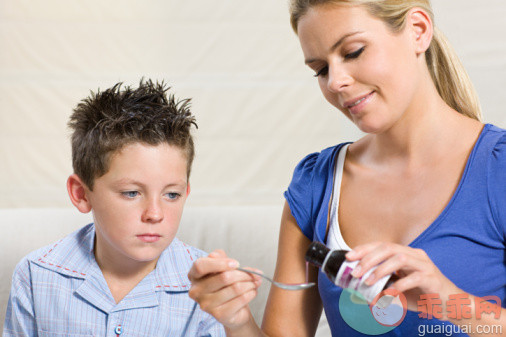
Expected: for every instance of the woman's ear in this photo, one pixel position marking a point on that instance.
(421, 27)
(77, 193)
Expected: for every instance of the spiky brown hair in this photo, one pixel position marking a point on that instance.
(106, 121)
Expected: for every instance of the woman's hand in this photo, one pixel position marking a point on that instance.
(221, 290)
(417, 273)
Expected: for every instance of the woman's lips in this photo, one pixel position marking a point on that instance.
(149, 237)
(356, 105)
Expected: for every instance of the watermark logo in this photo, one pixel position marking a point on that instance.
(389, 307)
(386, 311)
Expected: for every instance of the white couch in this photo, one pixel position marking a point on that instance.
(248, 234)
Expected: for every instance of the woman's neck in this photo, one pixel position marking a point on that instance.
(429, 129)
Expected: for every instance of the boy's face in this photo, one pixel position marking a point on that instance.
(137, 204)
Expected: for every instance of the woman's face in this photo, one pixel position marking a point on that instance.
(364, 69)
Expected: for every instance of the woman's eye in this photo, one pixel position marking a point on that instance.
(322, 72)
(354, 54)
(173, 195)
(130, 194)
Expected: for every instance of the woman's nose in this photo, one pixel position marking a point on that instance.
(153, 212)
(338, 79)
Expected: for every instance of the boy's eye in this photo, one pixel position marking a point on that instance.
(354, 54)
(322, 72)
(173, 195)
(130, 194)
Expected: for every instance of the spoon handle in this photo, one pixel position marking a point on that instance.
(285, 286)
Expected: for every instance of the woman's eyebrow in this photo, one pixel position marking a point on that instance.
(335, 45)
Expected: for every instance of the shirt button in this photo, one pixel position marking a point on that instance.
(118, 330)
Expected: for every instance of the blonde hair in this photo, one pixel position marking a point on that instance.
(448, 74)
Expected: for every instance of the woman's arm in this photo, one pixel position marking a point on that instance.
(292, 313)
(485, 326)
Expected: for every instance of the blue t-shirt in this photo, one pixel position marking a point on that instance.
(467, 241)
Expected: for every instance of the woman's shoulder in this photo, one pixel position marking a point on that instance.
(496, 176)
(321, 160)
(309, 183)
(496, 138)
(499, 133)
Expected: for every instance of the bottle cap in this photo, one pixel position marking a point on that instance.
(316, 253)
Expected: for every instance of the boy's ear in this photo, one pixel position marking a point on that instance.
(77, 193)
(188, 189)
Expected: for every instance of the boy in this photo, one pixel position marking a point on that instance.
(126, 273)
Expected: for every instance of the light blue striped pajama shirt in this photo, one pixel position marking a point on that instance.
(59, 290)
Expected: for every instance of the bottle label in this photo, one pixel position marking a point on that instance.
(344, 280)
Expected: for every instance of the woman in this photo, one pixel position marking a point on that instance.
(420, 195)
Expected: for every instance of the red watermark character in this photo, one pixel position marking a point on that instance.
(482, 305)
(459, 306)
(429, 305)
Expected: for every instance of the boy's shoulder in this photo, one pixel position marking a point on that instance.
(69, 256)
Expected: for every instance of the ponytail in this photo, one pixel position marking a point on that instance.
(451, 79)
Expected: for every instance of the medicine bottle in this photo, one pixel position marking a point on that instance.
(334, 264)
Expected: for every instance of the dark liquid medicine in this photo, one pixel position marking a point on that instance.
(334, 264)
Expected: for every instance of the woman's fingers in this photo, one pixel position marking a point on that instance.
(408, 282)
(229, 305)
(415, 268)
(370, 255)
(205, 266)
(217, 281)
(416, 271)
(211, 301)
(218, 253)
(235, 312)
(387, 257)
(221, 289)
(360, 251)
(399, 261)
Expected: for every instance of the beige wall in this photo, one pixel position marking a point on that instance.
(259, 109)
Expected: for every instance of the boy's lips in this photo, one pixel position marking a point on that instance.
(149, 237)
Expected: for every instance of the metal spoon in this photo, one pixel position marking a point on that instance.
(286, 286)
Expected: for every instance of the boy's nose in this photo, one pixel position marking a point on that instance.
(153, 212)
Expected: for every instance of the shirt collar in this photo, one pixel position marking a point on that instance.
(73, 256)
(70, 256)
(171, 272)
